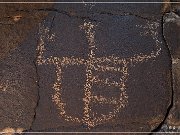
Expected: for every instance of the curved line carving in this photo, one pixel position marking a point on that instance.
(94, 63)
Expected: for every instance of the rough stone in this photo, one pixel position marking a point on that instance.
(130, 38)
(91, 67)
(18, 77)
(18, 87)
(172, 37)
(152, 11)
(175, 7)
(16, 20)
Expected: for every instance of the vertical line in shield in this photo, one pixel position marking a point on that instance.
(88, 27)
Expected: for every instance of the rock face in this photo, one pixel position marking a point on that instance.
(16, 20)
(18, 87)
(171, 32)
(18, 77)
(101, 71)
(172, 36)
(90, 67)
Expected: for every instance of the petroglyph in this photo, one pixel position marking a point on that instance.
(7, 85)
(12, 131)
(98, 64)
(4, 86)
(89, 5)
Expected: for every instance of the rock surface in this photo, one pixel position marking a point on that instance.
(172, 36)
(69, 37)
(18, 77)
(16, 20)
(90, 67)
(18, 87)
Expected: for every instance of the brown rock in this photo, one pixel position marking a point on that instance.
(172, 37)
(98, 68)
(16, 20)
(18, 77)
(64, 53)
(18, 88)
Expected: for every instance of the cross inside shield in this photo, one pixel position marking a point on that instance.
(96, 67)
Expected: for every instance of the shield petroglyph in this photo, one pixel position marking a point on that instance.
(99, 64)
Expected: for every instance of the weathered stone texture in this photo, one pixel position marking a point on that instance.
(86, 61)
(16, 20)
(117, 34)
(18, 87)
(172, 37)
(18, 77)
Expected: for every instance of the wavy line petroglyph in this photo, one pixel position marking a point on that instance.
(93, 63)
